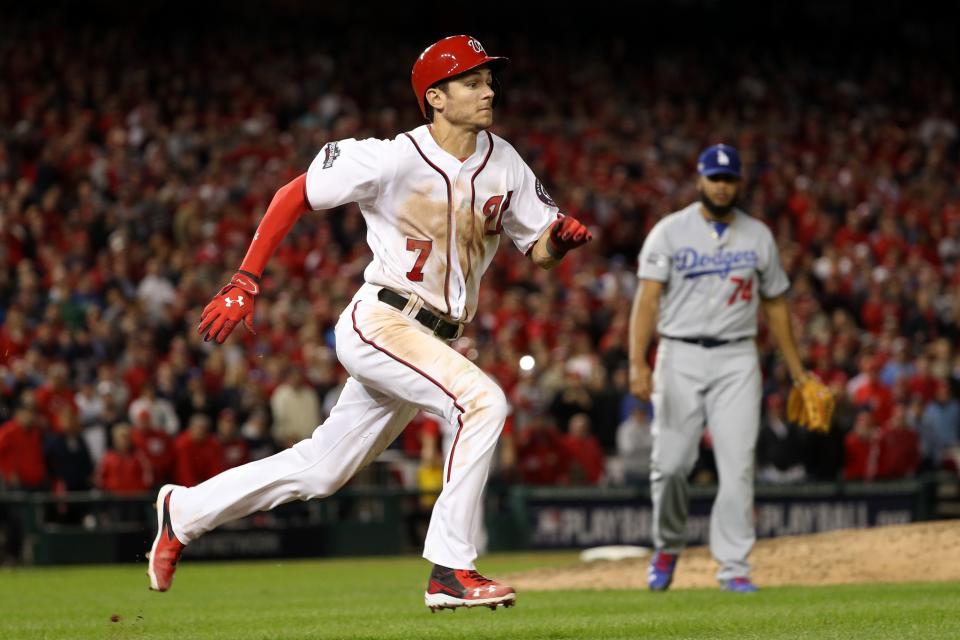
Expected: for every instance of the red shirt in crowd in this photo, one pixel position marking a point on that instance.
(21, 455)
(541, 456)
(586, 454)
(875, 395)
(235, 453)
(196, 461)
(861, 455)
(157, 446)
(54, 401)
(924, 385)
(899, 453)
(421, 425)
(124, 472)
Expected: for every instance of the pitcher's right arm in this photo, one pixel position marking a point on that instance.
(643, 322)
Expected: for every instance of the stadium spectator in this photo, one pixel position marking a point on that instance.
(634, 445)
(585, 456)
(67, 455)
(162, 413)
(869, 391)
(195, 400)
(940, 428)
(899, 366)
(56, 394)
(90, 405)
(22, 465)
(256, 432)
(421, 437)
(541, 456)
(862, 449)
(780, 446)
(155, 445)
(899, 447)
(235, 449)
(123, 470)
(573, 397)
(295, 407)
(197, 453)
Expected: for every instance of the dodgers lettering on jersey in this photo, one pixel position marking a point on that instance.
(721, 262)
(712, 281)
(433, 222)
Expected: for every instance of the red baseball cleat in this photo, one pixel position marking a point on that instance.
(166, 549)
(452, 588)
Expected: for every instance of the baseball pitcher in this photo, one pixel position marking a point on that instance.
(704, 271)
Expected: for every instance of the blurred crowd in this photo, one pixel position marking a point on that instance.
(133, 173)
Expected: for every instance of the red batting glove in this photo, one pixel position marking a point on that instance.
(234, 303)
(565, 234)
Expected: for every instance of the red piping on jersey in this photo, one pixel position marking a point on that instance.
(456, 403)
(473, 195)
(446, 277)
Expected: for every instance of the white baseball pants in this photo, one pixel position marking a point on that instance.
(720, 387)
(396, 367)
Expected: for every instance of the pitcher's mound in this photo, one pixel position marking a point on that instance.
(928, 551)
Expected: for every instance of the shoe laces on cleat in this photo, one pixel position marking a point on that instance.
(474, 575)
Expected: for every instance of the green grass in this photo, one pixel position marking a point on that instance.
(383, 599)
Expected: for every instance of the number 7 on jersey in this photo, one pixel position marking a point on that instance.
(424, 247)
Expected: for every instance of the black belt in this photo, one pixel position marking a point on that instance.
(709, 343)
(440, 327)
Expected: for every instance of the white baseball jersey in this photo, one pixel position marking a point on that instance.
(433, 222)
(711, 278)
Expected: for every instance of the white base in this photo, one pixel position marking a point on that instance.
(613, 552)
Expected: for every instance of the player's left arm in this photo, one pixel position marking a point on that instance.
(563, 235)
(778, 319)
(774, 284)
(534, 221)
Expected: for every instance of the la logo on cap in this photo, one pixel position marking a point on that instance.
(722, 158)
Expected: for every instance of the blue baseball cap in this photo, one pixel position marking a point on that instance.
(719, 159)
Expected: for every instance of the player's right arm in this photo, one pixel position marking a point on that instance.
(643, 321)
(234, 302)
(344, 171)
(653, 271)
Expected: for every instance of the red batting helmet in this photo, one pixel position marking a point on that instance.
(447, 58)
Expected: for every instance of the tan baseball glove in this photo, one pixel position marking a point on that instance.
(811, 404)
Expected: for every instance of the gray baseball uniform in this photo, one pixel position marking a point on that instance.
(707, 371)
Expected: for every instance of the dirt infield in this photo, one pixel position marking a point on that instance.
(909, 553)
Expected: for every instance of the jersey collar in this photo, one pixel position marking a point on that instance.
(719, 238)
(451, 164)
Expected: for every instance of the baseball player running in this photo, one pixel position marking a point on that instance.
(703, 271)
(436, 201)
